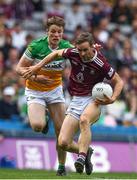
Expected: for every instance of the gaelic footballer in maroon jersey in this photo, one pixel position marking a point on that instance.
(88, 68)
(84, 75)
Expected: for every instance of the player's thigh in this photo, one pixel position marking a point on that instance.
(36, 106)
(91, 113)
(36, 113)
(57, 113)
(69, 128)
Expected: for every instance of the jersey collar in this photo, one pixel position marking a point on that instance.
(53, 49)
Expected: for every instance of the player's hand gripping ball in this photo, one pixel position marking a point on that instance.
(100, 89)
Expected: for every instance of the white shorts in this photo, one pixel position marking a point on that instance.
(46, 97)
(77, 105)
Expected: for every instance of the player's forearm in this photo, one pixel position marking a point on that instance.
(118, 86)
(33, 78)
(20, 70)
(133, 102)
(117, 89)
(47, 59)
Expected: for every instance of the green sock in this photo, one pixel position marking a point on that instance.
(61, 166)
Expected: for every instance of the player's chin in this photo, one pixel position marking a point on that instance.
(84, 60)
(55, 41)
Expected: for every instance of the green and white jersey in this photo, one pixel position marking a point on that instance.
(37, 51)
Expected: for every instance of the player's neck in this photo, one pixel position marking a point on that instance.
(53, 46)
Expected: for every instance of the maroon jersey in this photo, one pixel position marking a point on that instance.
(84, 75)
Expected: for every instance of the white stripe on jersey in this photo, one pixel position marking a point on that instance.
(25, 55)
(74, 50)
(99, 62)
(65, 50)
(111, 71)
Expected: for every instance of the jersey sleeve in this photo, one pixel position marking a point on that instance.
(109, 71)
(106, 68)
(31, 51)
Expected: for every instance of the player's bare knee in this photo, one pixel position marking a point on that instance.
(84, 121)
(62, 142)
(37, 126)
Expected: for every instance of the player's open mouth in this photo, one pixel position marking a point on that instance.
(55, 39)
(85, 59)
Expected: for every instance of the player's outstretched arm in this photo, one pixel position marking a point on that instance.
(34, 69)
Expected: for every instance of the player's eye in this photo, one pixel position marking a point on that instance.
(59, 32)
(85, 49)
(53, 31)
(79, 50)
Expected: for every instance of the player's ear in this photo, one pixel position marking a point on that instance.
(47, 30)
(97, 46)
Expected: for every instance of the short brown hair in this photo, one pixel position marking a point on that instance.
(55, 20)
(85, 37)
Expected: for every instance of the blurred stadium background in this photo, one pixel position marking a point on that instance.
(114, 25)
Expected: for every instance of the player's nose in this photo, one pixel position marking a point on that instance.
(56, 34)
(82, 53)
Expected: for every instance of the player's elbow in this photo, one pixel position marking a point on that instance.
(122, 83)
(117, 80)
(17, 69)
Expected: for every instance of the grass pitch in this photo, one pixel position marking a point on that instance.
(43, 174)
